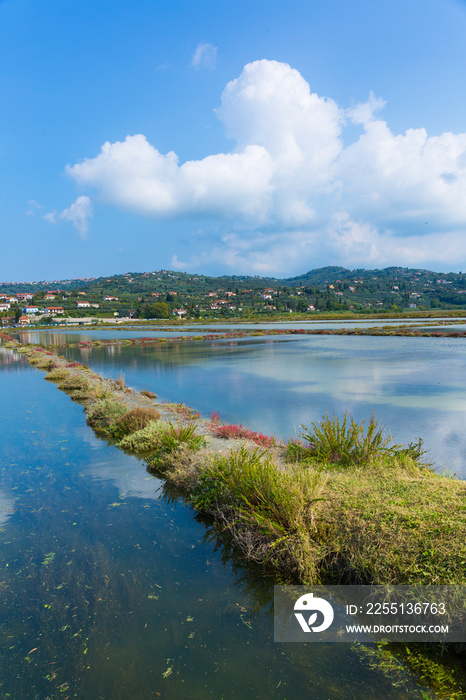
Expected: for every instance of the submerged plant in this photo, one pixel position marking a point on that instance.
(347, 442)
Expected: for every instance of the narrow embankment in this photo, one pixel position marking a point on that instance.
(379, 516)
(341, 505)
(405, 331)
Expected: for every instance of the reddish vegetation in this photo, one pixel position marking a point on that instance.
(215, 417)
(238, 431)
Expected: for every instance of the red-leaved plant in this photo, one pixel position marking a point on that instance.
(239, 431)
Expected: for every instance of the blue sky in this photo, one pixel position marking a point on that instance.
(231, 137)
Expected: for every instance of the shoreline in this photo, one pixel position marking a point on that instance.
(334, 485)
(390, 521)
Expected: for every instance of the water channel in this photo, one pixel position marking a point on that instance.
(111, 587)
(275, 384)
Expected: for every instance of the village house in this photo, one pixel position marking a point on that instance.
(24, 296)
(53, 310)
(31, 310)
(23, 320)
(107, 298)
(83, 304)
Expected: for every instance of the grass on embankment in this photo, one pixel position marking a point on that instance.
(341, 505)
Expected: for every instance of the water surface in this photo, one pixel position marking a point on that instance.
(111, 588)
(416, 386)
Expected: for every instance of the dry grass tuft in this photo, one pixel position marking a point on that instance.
(149, 394)
(132, 421)
(57, 374)
(103, 413)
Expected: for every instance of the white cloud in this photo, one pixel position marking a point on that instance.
(78, 214)
(289, 182)
(51, 217)
(205, 56)
(33, 207)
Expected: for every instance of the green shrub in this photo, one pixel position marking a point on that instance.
(175, 437)
(347, 442)
(132, 421)
(173, 447)
(278, 506)
(145, 440)
(103, 413)
(78, 388)
(57, 374)
(44, 363)
(298, 451)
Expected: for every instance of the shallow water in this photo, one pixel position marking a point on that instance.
(112, 588)
(71, 335)
(416, 386)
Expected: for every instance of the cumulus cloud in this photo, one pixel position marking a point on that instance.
(289, 181)
(205, 56)
(78, 214)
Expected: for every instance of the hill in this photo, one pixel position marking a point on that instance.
(167, 293)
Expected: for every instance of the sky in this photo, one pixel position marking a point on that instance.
(230, 137)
